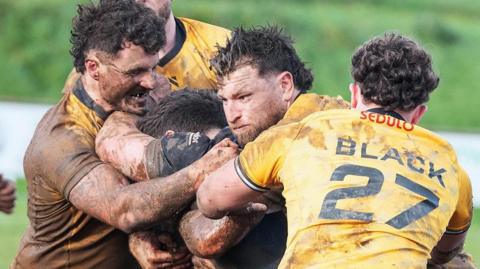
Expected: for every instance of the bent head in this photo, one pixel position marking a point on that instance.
(185, 111)
(163, 8)
(259, 77)
(116, 43)
(395, 73)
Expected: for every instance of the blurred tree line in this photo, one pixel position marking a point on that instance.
(35, 42)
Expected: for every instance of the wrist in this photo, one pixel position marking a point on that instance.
(196, 175)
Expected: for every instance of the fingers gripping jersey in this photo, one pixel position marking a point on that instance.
(362, 190)
(188, 64)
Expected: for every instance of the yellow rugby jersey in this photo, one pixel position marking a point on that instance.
(188, 63)
(61, 153)
(362, 190)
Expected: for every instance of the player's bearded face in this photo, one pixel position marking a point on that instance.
(126, 80)
(252, 103)
(272, 114)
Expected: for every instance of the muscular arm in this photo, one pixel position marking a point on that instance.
(105, 194)
(447, 248)
(209, 238)
(452, 240)
(122, 145)
(234, 193)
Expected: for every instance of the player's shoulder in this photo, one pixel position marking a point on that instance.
(204, 29)
(438, 143)
(196, 24)
(316, 102)
(58, 135)
(68, 121)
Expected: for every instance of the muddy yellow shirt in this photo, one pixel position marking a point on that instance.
(362, 190)
(188, 63)
(61, 153)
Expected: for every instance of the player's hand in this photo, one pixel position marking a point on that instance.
(200, 263)
(214, 159)
(180, 149)
(154, 251)
(7, 195)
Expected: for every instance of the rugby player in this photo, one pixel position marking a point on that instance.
(188, 110)
(80, 208)
(189, 45)
(7, 195)
(364, 188)
(126, 149)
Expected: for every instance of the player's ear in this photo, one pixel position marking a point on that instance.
(287, 86)
(418, 113)
(92, 66)
(169, 133)
(354, 94)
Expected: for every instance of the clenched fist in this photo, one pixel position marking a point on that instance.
(7, 195)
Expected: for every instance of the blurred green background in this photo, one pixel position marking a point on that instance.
(35, 34)
(35, 61)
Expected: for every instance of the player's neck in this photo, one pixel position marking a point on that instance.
(407, 116)
(92, 88)
(170, 34)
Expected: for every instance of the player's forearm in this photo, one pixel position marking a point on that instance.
(208, 238)
(447, 248)
(106, 195)
(146, 203)
(122, 145)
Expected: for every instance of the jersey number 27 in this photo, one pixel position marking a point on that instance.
(375, 182)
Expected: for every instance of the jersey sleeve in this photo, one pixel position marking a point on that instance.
(258, 165)
(462, 216)
(153, 159)
(67, 157)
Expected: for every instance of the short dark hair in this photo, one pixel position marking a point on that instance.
(265, 47)
(394, 72)
(107, 25)
(184, 111)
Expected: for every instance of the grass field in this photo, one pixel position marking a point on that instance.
(35, 61)
(13, 226)
(35, 58)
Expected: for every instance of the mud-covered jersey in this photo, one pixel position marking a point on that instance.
(362, 190)
(61, 153)
(188, 63)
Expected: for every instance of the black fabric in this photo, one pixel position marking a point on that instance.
(82, 95)
(262, 248)
(224, 133)
(180, 37)
(183, 148)
(381, 110)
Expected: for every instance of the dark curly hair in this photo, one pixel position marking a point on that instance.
(265, 47)
(394, 72)
(108, 24)
(184, 111)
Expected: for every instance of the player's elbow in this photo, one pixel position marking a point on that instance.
(127, 223)
(207, 204)
(207, 248)
(106, 148)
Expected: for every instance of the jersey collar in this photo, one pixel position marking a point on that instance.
(180, 37)
(82, 95)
